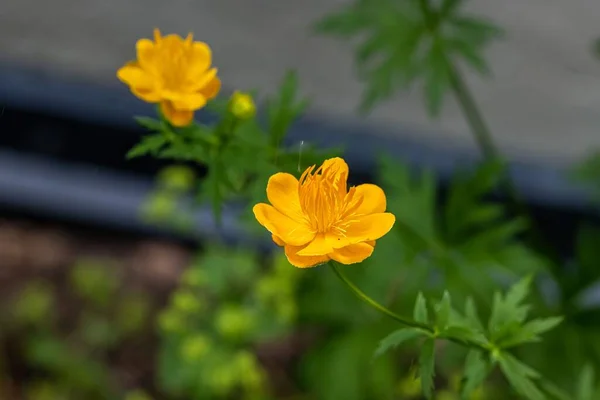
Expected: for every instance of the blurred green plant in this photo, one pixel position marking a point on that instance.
(215, 320)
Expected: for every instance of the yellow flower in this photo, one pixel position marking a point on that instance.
(174, 72)
(242, 105)
(317, 219)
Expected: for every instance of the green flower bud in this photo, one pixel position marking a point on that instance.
(242, 106)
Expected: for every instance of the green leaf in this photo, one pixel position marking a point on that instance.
(469, 54)
(284, 109)
(519, 291)
(472, 316)
(521, 377)
(477, 369)
(530, 332)
(420, 310)
(443, 310)
(390, 34)
(153, 125)
(507, 311)
(586, 383)
(150, 144)
(427, 367)
(476, 31)
(396, 338)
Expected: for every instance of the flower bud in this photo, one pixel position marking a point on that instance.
(242, 106)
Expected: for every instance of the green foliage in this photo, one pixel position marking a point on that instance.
(474, 243)
(506, 328)
(239, 154)
(403, 41)
(218, 314)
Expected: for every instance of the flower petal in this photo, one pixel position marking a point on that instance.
(288, 230)
(373, 199)
(200, 57)
(149, 96)
(282, 192)
(145, 49)
(197, 81)
(277, 240)
(191, 102)
(320, 245)
(177, 117)
(211, 89)
(369, 227)
(291, 252)
(352, 254)
(133, 75)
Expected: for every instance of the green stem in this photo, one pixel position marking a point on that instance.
(381, 308)
(480, 130)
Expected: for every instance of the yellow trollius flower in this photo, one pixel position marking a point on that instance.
(174, 72)
(318, 219)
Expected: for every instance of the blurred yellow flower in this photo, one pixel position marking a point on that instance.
(174, 72)
(242, 105)
(317, 219)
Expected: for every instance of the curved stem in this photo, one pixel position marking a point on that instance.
(379, 307)
(403, 320)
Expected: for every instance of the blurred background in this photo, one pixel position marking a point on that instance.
(84, 270)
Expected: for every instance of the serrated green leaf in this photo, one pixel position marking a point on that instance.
(477, 369)
(443, 309)
(152, 124)
(420, 311)
(469, 54)
(150, 144)
(475, 31)
(427, 367)
(586, 383)
(530, 332)
(395, 339)
(471, 314)
(521, 376)
(519, 291)
(463, 334)
(284, 108)
(508, 313)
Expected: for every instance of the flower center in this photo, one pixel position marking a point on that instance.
(324, 200)
(172, 62)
